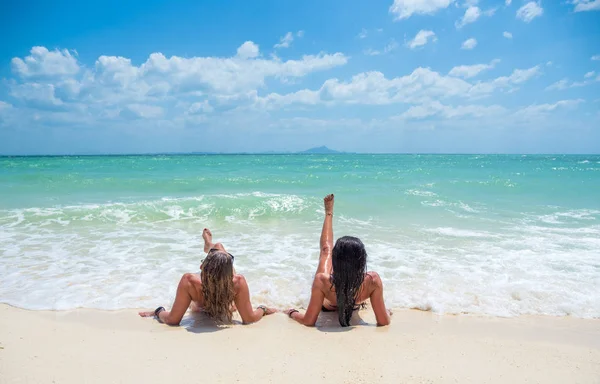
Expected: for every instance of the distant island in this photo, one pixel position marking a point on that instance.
(319, 150)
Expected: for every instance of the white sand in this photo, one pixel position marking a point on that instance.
(88, 346)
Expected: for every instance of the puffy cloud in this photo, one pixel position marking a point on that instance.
(422, 38)
(471, 15)
(39, 95)
(508, 2)
(363, 34)
(530, 11)
(508, 35)
(589, 74)
(586, 5)
(595, 58)
(469, 71)
(151, 89)
(42, 62)
(248, 50)
(419, 87)
(403, 9)
(469, 43)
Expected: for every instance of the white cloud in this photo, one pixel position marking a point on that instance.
(508, 35)
(586, 5)
(537, 110)
(469, 44)
(471, 15)
(422, 86)
(508, 2)
(422, 38)
(391, 46)
(248, 50)
(403, 9)
(469, 71)
(42, 62)
(595, 58)
(559, 85)
(435, 108)
(372, 52)
(285, 41)
(363, 34)
(490, 12)
(588, 78)
(530, 11)
(151, 89)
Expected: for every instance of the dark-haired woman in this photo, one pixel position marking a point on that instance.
(342, 282)
(217, 290)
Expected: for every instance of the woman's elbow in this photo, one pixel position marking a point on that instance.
(384, 322)
(172, 322)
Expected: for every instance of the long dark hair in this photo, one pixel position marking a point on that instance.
(349, 259)
(217, 285)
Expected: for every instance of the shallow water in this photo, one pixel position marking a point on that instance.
(498, 235)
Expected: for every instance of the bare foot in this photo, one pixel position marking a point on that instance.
(207, 236)
(328, 201)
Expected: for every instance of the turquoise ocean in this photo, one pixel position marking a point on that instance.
(501, 235)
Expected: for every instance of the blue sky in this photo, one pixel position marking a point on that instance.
(368, 76)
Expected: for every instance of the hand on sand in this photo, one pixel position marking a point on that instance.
(328, 202)
(270, 311)
(147, 314)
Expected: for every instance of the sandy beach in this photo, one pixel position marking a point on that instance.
(90, 346)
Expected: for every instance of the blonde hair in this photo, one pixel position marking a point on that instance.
(217, 285)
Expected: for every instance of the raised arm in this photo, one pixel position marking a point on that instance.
(243, 304)
(326, 241)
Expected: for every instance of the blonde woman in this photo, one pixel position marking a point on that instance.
(218, 290)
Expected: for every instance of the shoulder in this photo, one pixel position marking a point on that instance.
(373, 279)
(239, 282)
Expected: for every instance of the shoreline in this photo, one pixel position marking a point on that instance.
(88, 345)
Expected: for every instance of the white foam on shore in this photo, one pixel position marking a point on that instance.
(124, 255)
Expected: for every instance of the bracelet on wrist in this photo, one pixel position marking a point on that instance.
(264, 309)
(292, 312)
(159, 310)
